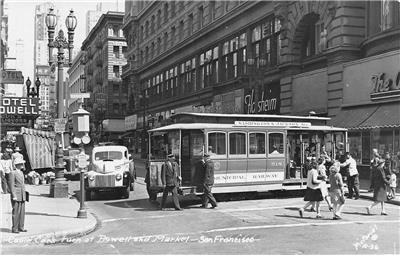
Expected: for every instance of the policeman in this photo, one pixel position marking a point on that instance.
(208, 169)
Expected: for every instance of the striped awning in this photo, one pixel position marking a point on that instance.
(39, 147)
(369, 117)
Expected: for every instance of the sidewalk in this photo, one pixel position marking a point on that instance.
(48, 220)
(364, 186)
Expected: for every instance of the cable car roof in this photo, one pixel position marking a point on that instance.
(218, 126)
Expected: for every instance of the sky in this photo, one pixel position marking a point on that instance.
(21, 23)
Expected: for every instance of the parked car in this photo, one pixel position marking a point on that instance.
(111, 169)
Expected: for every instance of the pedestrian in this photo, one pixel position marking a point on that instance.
(379, 183)
(392, 186)
(18, 196)
(169, 176)
(7, 165)
(150, 191)
(374, 163)
(208, 182)
(313, 192)
(353, 181)
(336, 190)
(323, 177)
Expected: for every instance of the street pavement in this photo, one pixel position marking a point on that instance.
(47, 219)
(268, 224)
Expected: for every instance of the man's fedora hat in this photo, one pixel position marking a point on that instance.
(18, 161)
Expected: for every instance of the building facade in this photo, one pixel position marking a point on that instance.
(289, 57)
(104, 57)
(76, 83)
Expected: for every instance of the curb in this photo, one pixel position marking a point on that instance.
(56, 237)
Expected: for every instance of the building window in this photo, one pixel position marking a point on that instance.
(116, 108)
(116, 51)
(166, 12)
(147, 54)
(116, 89)
(243, 53)
(116, 72)
(190, 24)
(181, 27)
(211, 10)
(173, 9)
(165, 41)
(158, 18)
(200, 17)
(158, 45)
(146, 29)
(152, 50)
(152, 24)
(141, 33)
(173, 35)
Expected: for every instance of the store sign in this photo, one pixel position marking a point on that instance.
(265, 100)
(15, 120)
(12, 77)
(385, 86)
(20, 105)
(271, 124)
(131, 122)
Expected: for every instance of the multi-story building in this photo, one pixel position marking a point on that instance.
(336, 58)
(104, 57)
(76, 82)
(3, 34)
(92, 16)
(46, 95)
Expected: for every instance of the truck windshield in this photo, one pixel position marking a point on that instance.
(108, 155)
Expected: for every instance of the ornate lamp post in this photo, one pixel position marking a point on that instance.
(32, 92)
(61, 43)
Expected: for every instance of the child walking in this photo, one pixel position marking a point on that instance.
(336, 191)
(392, 186)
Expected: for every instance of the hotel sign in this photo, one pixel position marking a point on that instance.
(20, 106)
(385, 86)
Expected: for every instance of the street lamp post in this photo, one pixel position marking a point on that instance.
(32, 93)
(61, 43)
(81, 128)
(143, 99)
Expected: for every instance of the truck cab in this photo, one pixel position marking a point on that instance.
(111, 169)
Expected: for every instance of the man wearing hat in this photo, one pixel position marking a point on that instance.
(169, 177)
(208, 181)
(16, 154)
(17, 191)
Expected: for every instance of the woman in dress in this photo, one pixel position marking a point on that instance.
(336, 191)
(313, 192)
(323, 177)
(379, 184)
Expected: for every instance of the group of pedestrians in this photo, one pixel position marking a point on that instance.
(382, 179)
(171, 182)
(12, 165)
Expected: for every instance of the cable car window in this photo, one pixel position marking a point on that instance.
(257, 143)
(217, 143)
(275, 144)
(237, 143)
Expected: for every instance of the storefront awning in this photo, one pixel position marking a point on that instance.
(368, 117)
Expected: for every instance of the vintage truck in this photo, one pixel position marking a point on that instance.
(110, 169)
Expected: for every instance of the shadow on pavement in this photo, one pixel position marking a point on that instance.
(48, 214)
(5, 230)
(305, 217)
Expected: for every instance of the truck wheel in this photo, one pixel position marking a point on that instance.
(125, 192)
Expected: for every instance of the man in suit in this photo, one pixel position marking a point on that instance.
(169, 177)
(18, 196)
(208, 170)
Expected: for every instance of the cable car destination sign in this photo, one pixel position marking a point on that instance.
(20, 106)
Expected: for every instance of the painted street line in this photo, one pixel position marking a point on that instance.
(301, 225)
